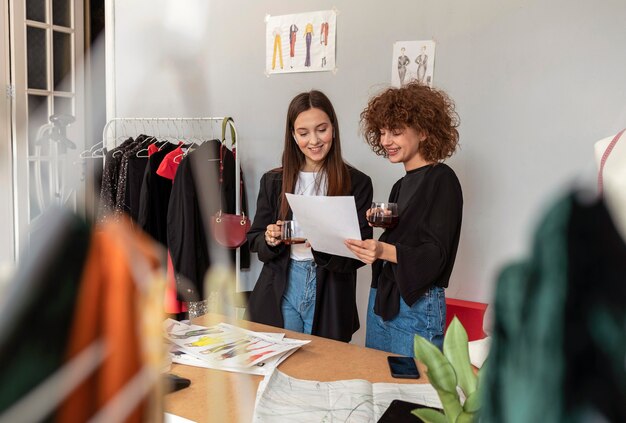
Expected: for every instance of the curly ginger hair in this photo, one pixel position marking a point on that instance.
(425, 109)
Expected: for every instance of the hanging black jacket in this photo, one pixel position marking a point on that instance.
(155, 197)
(336, 314)
(187, 227)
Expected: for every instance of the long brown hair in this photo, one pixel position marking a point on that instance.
(336, 171)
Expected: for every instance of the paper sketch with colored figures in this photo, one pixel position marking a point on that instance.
(227, 346)
(302, 42)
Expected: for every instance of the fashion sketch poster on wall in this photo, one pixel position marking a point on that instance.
(303, 42)
(413, 60)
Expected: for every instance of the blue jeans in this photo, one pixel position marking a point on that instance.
(298, 303)
(426, 317)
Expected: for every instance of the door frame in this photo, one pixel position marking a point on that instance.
(7, 99)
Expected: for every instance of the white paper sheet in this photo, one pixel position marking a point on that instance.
(172, 418)
(282, 398)
(479, 350)
(327, 221)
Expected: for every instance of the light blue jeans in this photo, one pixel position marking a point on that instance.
(426, 317)
(298, 303)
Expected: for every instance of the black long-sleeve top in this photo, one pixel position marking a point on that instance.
(335, 314)
(426, 237)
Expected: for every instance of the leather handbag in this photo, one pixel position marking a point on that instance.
(229, 230)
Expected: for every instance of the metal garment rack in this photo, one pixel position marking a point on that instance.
(176, 129)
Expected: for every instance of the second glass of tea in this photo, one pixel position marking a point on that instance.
(383, 215)
(290, 234)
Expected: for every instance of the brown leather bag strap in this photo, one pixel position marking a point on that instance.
(233, 138)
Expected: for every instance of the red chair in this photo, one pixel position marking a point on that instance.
(470, 314)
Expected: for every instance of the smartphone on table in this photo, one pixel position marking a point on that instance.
(400, 412)
(403, 367)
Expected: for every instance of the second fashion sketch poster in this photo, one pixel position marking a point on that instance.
(413, 60)
(303, 42)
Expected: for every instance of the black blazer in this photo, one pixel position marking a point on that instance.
(336, 314)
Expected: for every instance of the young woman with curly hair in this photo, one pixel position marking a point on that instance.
(411, 263)
(299, 288)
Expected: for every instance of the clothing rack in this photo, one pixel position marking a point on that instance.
(181, 128)
(176, 129)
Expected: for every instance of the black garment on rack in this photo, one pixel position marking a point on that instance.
(36, 317)
(155, 196)
(140, 143)
(186, 231)
(110, 177)
(135, 173)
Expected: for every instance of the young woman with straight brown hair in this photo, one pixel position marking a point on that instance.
(299, 288)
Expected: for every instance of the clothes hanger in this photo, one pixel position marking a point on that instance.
(125, 132)
(194, 139)
(178, 158)
(143, 153)
(94, 152)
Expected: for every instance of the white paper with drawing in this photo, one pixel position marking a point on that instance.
(327, 221)
(282, 398)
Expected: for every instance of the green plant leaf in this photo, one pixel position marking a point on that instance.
(451, 404)
(472, 403)
(430, 416)
(465, 418)
(440, 372)
(455, 350)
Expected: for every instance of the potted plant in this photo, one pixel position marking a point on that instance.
(446, 371)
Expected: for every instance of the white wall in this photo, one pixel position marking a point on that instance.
(535, 83)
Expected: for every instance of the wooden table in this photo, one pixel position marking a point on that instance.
(219, 396)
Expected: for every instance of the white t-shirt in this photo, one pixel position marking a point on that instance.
(307, 185)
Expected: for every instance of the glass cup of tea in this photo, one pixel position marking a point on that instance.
(383, 215)
(290, 234)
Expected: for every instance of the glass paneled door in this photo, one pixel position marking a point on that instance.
(48, 124)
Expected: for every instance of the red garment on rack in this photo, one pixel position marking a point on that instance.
(152, 148)
(169, 164)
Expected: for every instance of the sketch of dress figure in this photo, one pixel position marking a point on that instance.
(308, 35)
(403, 62)
(422, 65)
(324, 40)
(292, 42)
